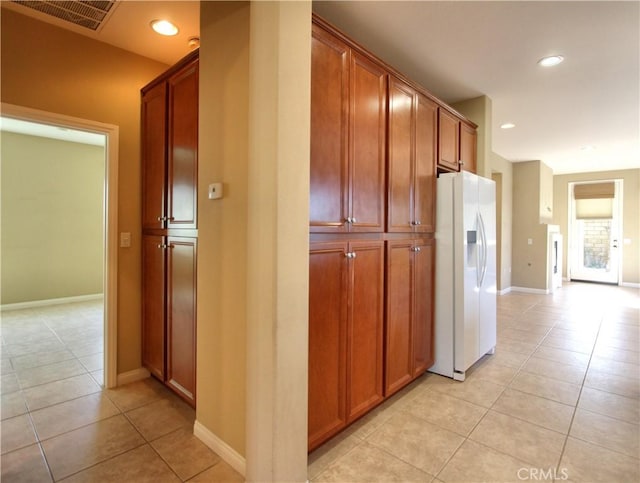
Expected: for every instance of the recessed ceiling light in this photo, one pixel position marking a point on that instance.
(164, 27)
(507, 125)
(588, 147)
(551, 60)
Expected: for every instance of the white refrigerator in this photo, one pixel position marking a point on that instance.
(465, 312)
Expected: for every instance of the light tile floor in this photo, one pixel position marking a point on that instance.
(60, 424)
(559, 401)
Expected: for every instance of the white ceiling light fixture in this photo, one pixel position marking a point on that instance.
(164, 27)
(507, 125)
(551, 60)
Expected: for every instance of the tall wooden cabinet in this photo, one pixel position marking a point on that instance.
(409, 316)
(412, 145)
(377, 142)
(169, 135)
(348, 138)
(346, 300)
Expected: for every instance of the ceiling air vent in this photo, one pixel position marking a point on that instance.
(87, 14)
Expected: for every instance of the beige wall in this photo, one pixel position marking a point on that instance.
(52, 218)
(222, 228)
(502, 170)
(479, 110)
(630, 217)
(529, 261)
(47, 68)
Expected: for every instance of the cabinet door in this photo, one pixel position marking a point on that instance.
(367, 144)
(328, 269)
(181, 316)
(423, 356)
(400, 217)
(425, 165)
(183, 148)
(154, 155)
(448, 132)
(153, 304)
(329, 117)
(468, 147)
(365, 326)
(398, 343)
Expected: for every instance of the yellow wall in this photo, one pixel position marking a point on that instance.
(502, 170)
(529, 261)
(222, 224)
(51, 69)
(630, 216)
(52, 218)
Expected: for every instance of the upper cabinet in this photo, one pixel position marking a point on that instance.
(411, 158)
(457, 143)
(169, 150)
(448, 140)
(348, 138)
(468, 147)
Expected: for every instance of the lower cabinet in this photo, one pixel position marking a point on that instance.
(169, 311)
(409, 311)
(346, 316)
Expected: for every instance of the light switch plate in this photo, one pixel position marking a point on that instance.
(215, 191)
(125, 239)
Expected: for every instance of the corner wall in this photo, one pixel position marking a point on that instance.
(51, 69)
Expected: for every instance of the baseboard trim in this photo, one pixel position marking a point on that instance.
(530, 290)
(630, 284)
(504, 291)
(222, 449)
(44, 303)
(132, 376)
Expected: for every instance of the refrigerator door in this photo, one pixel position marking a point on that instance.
(488, 289)
(467, 270)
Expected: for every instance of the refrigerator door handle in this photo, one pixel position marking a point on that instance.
(483, 236)
(479, 251)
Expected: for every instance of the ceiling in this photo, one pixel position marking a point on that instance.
(459, 50)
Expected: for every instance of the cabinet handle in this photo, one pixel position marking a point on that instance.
(164, 218)
(353, 220)
(162, 245)
(347, 220)
(416, 249)
(461, 162)
(350, 254)
(415, 223)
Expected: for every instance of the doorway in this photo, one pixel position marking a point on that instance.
(595, 231)
(109, 218)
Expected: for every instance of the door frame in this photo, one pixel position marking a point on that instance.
(619, 186)
(110, 281)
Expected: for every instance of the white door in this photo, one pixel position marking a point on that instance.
(594, 250)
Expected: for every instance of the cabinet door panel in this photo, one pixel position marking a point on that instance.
(153, 304)
(328, 268)
(153, 142)
(399, 366)
(367, 144)
(365, 326)
(423, 356)
(329, 109)
(183, 148)
(181, 316)
(425, 164)
(448, 140)
(468, 147)
(401, 175)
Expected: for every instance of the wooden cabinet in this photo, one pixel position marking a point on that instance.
(411, 160)
(468, 147)
(169, 149)
(346, 297)
(448, 140)
(168, 311)
(169, 138)
(409, 313)
(348, 138)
